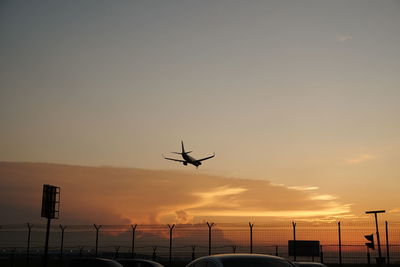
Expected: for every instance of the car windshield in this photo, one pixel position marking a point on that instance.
(254, 262)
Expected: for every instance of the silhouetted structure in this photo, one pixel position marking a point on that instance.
(210, 225)
(251, 237)
(62, 240)
(195, 240)
(379, 260)
(133, 240)
(97, 227)
(50, 210)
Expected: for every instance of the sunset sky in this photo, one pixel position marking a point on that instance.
(299, 98)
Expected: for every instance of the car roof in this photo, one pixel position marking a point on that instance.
(222, 257)
(93, 262)
(309, 263)
(241, 255)
(138, 260)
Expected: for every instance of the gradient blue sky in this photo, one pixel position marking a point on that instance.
(301, 93)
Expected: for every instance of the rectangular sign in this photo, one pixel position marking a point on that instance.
(303, 248)
(50, 201)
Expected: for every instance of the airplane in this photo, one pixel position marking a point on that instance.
(187, 158)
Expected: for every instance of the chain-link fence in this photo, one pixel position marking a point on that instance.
(190, 241)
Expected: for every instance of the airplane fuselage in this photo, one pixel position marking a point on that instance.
(190, 160)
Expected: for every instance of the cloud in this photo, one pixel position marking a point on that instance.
(220, 192)
(344, 38)
(360, 158)
(183, 217)
(394, 210)
(303, 188)
(105, 195)
(323, 197)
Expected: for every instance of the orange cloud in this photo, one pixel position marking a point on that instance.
(106, 195)
(360, 158)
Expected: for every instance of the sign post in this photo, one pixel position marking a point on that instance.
(50, 210)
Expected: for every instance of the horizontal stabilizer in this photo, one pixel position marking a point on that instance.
(179, 153)
(173, 159)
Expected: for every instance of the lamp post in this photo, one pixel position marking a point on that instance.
(375, 212)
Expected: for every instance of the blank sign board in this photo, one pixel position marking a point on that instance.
(303, 248)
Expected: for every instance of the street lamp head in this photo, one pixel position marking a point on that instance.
(375, 211)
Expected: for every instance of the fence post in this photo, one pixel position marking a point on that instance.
(234, 248)
(171, 227)
(28, 246)
(251, 237)
(368, 257)
(80, 250)
(193, 253)
(12, 256)
(154, 253)
(276, 250)
(340, 244)
(116, 251)
(387, 244)
(97, 236)
(210, 225)
(133, 240)
(294, 241)
(322, 255)
(62, 240)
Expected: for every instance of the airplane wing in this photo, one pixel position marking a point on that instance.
(206, 158)
(173, 159)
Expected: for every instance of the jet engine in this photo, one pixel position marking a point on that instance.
(185, 163)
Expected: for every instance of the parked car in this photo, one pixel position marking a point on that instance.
(93, 262)
(138, 263)
(240, 260)
(309, 264)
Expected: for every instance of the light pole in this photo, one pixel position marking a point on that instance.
(375, 212)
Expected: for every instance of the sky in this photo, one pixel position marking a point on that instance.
(120, 196)
(298, 94)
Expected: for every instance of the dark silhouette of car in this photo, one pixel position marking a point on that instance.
(138, 263)
(93, 262)
(240, 260)
(309, 264)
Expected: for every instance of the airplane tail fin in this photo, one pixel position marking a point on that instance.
(183, 148)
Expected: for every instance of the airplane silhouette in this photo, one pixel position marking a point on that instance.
(187, 158)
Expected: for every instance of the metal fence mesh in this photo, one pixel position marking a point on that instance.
(193, 240)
